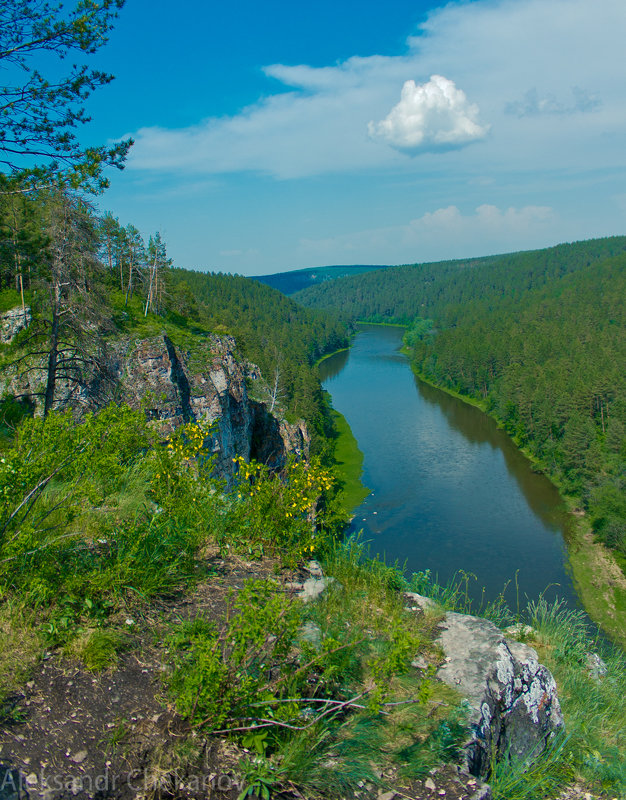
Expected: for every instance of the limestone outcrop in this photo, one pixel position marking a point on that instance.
(12, 322)
(207, 384)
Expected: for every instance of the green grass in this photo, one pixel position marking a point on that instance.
(9, 299)
(594, 707)
(348, 468)
(98, 649)
(533, 778)
(603, 595)
(130, 320)
(21, 646)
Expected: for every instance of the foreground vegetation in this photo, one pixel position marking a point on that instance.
(85, 549)
(302, 687)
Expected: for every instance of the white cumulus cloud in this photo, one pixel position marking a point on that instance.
(431, 115)
(316, 123)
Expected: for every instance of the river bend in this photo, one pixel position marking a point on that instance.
(450, 491)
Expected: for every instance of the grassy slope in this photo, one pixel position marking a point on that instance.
(348, 469)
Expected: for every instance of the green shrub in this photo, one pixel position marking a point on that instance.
(218, 676)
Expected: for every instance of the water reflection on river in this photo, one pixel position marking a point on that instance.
(450, 491)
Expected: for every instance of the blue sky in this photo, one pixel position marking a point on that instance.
(281, 135)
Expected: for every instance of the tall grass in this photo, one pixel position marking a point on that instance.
(534, 777)
(593, 704)
(455, 596)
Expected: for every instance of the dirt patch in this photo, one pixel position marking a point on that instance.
(72, 733)
(447, 782)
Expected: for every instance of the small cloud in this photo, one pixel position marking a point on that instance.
(485, 218)
(443, 233)
(430, 116)
(533, 105)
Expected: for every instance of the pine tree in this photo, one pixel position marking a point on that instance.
(38, 145)
(66, 299)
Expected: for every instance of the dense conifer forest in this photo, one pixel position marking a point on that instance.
(280, 336)
(298, 279)
(538, 338)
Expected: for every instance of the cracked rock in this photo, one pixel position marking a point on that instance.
(514, 708)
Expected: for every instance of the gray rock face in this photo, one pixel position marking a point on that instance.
(314, 586)
(12, 322)
(417, 602)
(513, 699)
(596, 667)
(208, 387)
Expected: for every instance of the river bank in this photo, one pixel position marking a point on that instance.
(598, 578)
(450, 492)
(348, 468)
(330, 355)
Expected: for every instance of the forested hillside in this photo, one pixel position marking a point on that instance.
(80, 279)
(277, 334)
(538, 338)
(447, 287)
(296, 280)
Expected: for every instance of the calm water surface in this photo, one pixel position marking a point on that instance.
(450, 491)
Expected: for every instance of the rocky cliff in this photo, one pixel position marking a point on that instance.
(209, 385)
(206, 383)
(12, 322)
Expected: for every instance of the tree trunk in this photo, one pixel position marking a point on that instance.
(129, 290)
(53, 353)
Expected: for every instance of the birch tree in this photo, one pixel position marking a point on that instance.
(157, 263)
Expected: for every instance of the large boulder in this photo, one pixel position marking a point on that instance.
(514, 708)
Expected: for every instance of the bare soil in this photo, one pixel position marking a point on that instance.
(72, 733)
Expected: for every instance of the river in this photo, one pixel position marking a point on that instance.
(450, 491)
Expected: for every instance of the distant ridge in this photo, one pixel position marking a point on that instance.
(295, 281)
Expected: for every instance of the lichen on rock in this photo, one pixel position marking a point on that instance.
(13, 321)
(514, 708)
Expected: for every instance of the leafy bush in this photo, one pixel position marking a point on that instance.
(219, 676)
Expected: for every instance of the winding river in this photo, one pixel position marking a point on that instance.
(450, 491)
